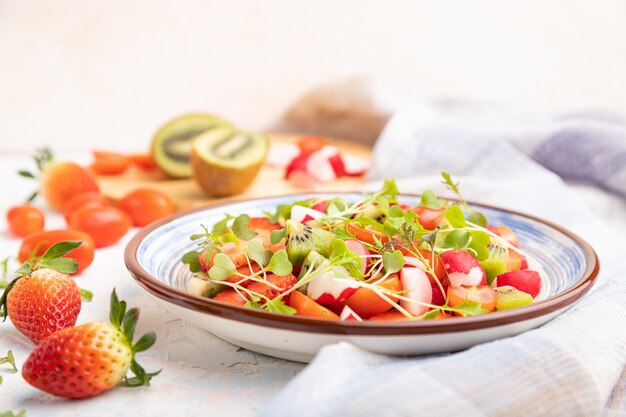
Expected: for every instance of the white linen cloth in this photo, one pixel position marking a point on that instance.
(572, 366)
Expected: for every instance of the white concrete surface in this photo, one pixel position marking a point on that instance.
(106, 73)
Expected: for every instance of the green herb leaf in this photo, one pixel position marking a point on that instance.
(455, 216)
(240, 227)
(469, 308)
(258, 253)
(279, 263)
(477, 217)
(336, 206)
(431, 315)
(389, 189)
(430, 200)
(192, 259)
(342, 233)
(254, 302)
(223, 268)
(277, 305)
(395, 211)
(21, 413)
(393, 261)
(86, 295)
(277, 235)
(457, 239)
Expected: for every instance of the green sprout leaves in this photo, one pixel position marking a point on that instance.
(223, 268)
(393, 261)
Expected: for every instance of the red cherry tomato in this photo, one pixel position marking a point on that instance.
(25, 219)
(483, 294)
(109, 163)
(106, 225)
(37, 243)
(145, 206)
(90, 199)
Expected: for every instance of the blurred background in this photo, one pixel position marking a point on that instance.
(83, 74)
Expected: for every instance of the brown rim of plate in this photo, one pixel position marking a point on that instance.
(295, 323)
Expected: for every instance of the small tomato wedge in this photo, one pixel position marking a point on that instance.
(262, 223)
(389, 316)
(142, 161)
(483, 294)
(25, 219)
(507, 234)
(109, 163)
(310, 144)
(230, 296)
(309, 308)
(146, 205)
(106, 225)
(284, 282)
(37, 243)
(366, 234)
(366, 303)
(90, 199)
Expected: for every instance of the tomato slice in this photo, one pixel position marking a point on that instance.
(366, 234)
(507, 234)
(514, 261)
(310, 144)
(262, 223)
(142, 161)
(230, 296)
(483, 294)
(309, 308)
(428, 218)
(109, 163)
(366, 303)
(389, 316)
(284, 282)
(37, 243)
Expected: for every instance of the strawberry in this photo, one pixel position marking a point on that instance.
(43, 299)
(60, 181)
(86, 360)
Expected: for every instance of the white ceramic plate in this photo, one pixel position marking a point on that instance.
(153, 258)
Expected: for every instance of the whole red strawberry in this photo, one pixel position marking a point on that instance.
(42, 303)
(43, 299)
(86, 360)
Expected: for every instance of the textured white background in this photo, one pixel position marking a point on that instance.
(107, 72)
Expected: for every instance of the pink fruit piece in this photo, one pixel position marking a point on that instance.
(348, 314)
(524, 262)
(526, 280)
(318, 165)
(360, 249)
(463, 269)
(303, 214)
(297, 164)
(321, 206)
(438, 298)
(417, 288)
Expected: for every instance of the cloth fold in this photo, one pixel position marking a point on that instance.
(572, 366)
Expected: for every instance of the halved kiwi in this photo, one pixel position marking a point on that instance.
(225, 161)
(171, 145)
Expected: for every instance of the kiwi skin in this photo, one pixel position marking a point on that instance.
(222, 181)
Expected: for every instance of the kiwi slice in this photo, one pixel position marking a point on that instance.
(311, 262)
(495, 264)
(511, 297)
(302, 239)
(171, 145)
(225, 161)
(200, 285)
(373, 212)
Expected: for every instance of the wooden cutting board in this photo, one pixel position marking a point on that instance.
(269, 182)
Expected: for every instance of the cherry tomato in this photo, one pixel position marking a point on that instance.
(366, 234)
(262, 223)
(145, 206)
(283, 282)
(483, 294)
(309, 308)
(429, 218)
(109, 163)
(106, 225)
(142, 161)
(310, 144)
(90, 199)
(37, 243)
(514, 261)
(25, 219)
(389, 316)
(366, 303)
(230, 296)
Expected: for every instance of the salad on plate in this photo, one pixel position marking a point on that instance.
(368, 260)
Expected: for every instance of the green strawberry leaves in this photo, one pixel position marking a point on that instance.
(126, 321)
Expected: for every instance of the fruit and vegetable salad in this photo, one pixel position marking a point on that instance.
(372, 259)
